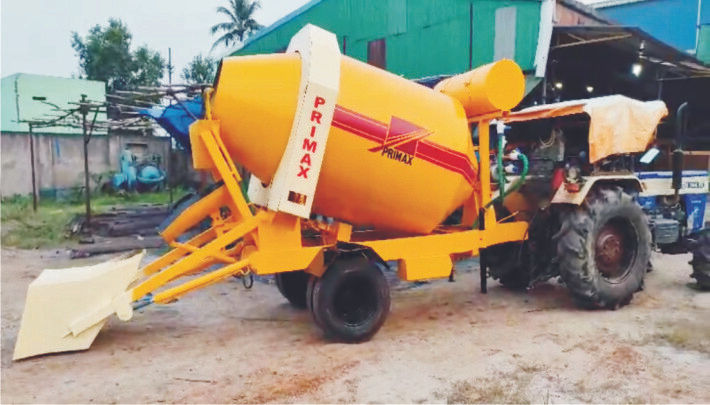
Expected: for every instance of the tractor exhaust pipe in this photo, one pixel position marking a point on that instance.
(681, 126)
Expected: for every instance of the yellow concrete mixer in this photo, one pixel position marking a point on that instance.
(352, 167)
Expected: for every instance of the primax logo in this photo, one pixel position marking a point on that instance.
(403, 141)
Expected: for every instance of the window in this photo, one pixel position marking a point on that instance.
(504, 42)
(377, 53)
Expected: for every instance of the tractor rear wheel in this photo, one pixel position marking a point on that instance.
(603, 248)
(352, 299)
(292, 285)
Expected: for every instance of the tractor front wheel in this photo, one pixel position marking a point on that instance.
(603, 248)
(352, 299)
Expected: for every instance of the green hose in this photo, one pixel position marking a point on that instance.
(517, 183)
(499, 163)
(501, 179)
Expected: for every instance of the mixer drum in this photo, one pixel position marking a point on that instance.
(399, 155)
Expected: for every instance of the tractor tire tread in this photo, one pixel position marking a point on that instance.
(575, 249)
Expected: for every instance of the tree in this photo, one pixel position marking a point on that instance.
(241, 22)
(105, 54)
(147, 67)
(199, 70)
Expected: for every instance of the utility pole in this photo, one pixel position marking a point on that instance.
(30, 124)
(32, 165)
(84, 110)
(170, 67)
(168, 163)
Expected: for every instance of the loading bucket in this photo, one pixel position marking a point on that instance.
(66, 308)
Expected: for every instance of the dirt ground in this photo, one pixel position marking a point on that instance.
(443, 342)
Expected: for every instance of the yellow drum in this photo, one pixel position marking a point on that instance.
(399, 155)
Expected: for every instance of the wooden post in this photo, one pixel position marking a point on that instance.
(83, 108)
(32, 165)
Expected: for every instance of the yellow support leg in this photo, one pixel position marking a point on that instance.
(176, 292)
(178, 252)
(222, 163)
(195, 259)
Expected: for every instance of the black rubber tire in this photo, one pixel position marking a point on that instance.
(677, 248)
(507, 264)
(352, 299)
(293, 285)
(576, 247)
(701, 274)
(309, 299)
(701, 261)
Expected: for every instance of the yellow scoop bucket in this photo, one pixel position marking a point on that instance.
(66, 308)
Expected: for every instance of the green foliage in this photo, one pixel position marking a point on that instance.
(147, 68)
(105, 54)
(47, 228)
(23, 228)
(240, 24)
(200, 70)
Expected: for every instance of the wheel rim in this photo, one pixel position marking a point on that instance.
(355, 301)
(615, 249)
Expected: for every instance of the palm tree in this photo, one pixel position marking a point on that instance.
(241, 22)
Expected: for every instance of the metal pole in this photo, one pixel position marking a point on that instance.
(169, 166)
(87, 191)
(32, 165)
(698, 26)
(168, 163)
(170, 66)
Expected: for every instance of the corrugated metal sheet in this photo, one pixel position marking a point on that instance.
(423, 37)
(704, 44)
(705, 12)
(671, 21)
(18, 104)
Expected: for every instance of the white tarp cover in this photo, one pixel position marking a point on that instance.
(621, 125)
(618, 124)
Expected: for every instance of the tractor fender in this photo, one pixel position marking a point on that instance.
(628, 182)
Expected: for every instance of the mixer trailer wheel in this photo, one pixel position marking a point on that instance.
(508, 265)
(603, 248)
(293, 285)
(352, 299)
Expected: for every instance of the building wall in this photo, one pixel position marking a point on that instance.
(671, 21)
(566, 15)
(423, 37)
(59, 159)
(19, 89)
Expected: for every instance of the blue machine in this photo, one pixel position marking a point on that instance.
(134, 176)
(672, 218)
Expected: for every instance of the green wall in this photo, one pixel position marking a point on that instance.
(18, 105)
(704, 44)
(423, 37)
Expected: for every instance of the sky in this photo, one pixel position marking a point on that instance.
(36, 34)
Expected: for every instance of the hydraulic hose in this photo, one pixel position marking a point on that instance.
(514, 187)
(519, 182)
(499, 163)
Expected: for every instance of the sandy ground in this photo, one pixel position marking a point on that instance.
(443, 342)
